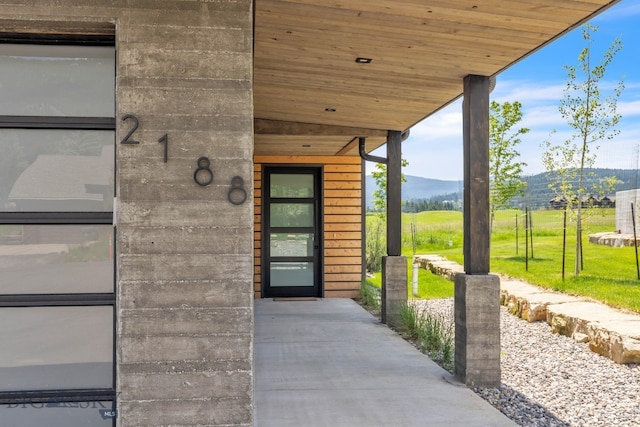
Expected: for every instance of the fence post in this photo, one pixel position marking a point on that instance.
(635, 239)
(526, 239)
(564, 242)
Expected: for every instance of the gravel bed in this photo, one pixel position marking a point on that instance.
(552, 380)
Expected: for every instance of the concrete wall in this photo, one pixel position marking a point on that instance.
(624, 219)
(185, 254)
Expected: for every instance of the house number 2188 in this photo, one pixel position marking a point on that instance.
(203, 175)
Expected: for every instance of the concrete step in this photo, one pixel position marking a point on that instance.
(610, 332)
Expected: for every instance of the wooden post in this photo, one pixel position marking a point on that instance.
(531, 232)
(394, 196)
(635, 238)
(526, 239)
(516, 234)
(476, 292)
(564, 242)
(476, 174)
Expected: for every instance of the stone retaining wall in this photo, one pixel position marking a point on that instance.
(609, 332)
(616, 240)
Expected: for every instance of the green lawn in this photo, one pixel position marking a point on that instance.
(430, 286)
(609, 274)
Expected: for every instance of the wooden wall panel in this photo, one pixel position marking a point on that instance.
(257, 223)
(342, 220)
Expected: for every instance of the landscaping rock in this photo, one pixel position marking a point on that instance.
(615, 240)
(439, 265)
(608, 332)
(529, 302)
(611, 333)
(550, 380)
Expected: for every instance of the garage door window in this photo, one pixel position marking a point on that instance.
(57, 275)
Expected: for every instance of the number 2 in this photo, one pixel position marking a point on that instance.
(136, 123)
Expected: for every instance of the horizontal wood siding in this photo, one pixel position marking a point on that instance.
(342, 220)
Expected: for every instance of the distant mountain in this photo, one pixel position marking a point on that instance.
(417, 188)
(537, 194)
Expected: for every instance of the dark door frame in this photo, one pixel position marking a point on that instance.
(317, 290)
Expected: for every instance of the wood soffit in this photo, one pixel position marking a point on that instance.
(311, 97)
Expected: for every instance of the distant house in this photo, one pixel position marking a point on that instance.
(627, 218)
(558, 202)
(589, 201)
(608, 202)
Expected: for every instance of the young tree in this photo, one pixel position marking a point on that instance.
(505, 170)
(379, 175)
(375, 243)
(593, 118)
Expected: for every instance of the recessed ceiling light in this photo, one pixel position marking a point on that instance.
(330, 110)
(361, 60)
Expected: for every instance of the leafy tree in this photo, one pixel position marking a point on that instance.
(375, 245)
(376, 242)
(379, 175)
(593, 118)
(505, 170)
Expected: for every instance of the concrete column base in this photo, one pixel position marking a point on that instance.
(394, 288)
(477, 320)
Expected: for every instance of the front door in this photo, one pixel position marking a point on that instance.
(291, 240)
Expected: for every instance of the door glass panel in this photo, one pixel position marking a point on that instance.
(291, 215)
(291, 185)
(291, 274)
(50, 348)
(75, 81)
(44, 259)
(291, 244)
(58, 414)
(56, 170)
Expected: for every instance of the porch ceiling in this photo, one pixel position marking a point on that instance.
(311, 97)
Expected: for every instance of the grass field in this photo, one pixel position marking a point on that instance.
(609, 274)
(429, 285)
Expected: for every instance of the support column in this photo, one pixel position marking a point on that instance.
(394, 193)
(475, 135)
(394, 288)
(394, 266)
(477, 318)
(477, 293)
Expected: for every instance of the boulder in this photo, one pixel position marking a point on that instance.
(609, 332)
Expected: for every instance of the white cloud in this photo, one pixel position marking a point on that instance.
(434, 147)
(629, 108)
(544, 116)
(527, 92)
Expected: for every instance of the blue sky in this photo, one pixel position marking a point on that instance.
(434, 148)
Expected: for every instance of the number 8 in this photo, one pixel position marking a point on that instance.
(237, 194)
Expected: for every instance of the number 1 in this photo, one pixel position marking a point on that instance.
(165, 140)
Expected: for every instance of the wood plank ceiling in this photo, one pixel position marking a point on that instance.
(311, 97)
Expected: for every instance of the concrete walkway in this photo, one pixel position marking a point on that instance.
(330, 363)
